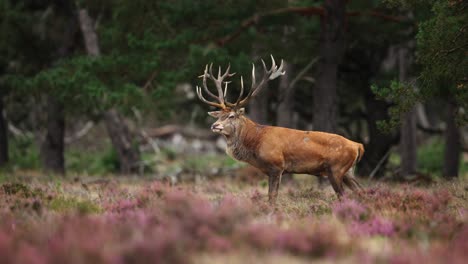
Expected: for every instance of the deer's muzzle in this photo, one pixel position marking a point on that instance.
(217, 127)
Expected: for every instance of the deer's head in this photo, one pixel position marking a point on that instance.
(230, 115)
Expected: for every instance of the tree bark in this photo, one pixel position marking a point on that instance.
(285, 108)
(89, 33)
(258, 107)
(379, 142)
(121, 138)
(408, 144)
(3, 135)
(118, 130)
(452, 143)
(53, 144)
(331, 49)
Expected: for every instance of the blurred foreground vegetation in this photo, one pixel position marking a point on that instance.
(139, 220)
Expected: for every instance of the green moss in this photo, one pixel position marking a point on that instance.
(66, 204)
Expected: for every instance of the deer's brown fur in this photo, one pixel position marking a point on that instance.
(278, 150)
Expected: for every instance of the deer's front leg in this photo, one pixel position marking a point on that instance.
(274, 179)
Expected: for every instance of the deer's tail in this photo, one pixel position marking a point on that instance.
(360, 152)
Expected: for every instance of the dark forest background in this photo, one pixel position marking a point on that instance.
(104, 87)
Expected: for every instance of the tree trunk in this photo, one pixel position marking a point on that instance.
(3, 135)
(119, 133)
(379, 142)
(258, 107)
(408, 144)
(285, 108)
(53, 145)
(331, 49)
(452, 143)
(121, 138)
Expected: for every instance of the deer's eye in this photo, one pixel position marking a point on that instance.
(231, 117)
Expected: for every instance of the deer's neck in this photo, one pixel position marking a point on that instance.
(245, 142)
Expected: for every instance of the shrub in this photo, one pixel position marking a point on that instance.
(92, 162)
(430, 157)
(24, 153)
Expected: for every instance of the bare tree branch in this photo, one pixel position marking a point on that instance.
(379, 164)
(303, 72)
(80, 133)
(89, 33)
(303, 11)
(298, 77)
(149, 82)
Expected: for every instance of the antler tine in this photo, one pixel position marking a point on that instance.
(221, 79)
(254, 87)
(266, 75)
(226, 73)
(225, 89)
(218, 83)
(273, 63)
(200, 95)
(205, 86)
(208, 73)
(277, 71)
(219, 98)
(241, 91)
(271, 74)
(253, 72)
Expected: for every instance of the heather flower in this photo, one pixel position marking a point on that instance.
(159, 223)
(373, 226)
(349, 209)
(256, 196)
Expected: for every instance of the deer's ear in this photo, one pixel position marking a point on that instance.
(241, 111)
(215, 114)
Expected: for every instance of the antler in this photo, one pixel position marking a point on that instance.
(218, 83)
(271, 74)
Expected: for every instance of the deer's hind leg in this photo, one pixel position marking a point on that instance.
(350, 181)
(335, 183)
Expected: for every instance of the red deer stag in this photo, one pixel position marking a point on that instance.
(278, 150)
